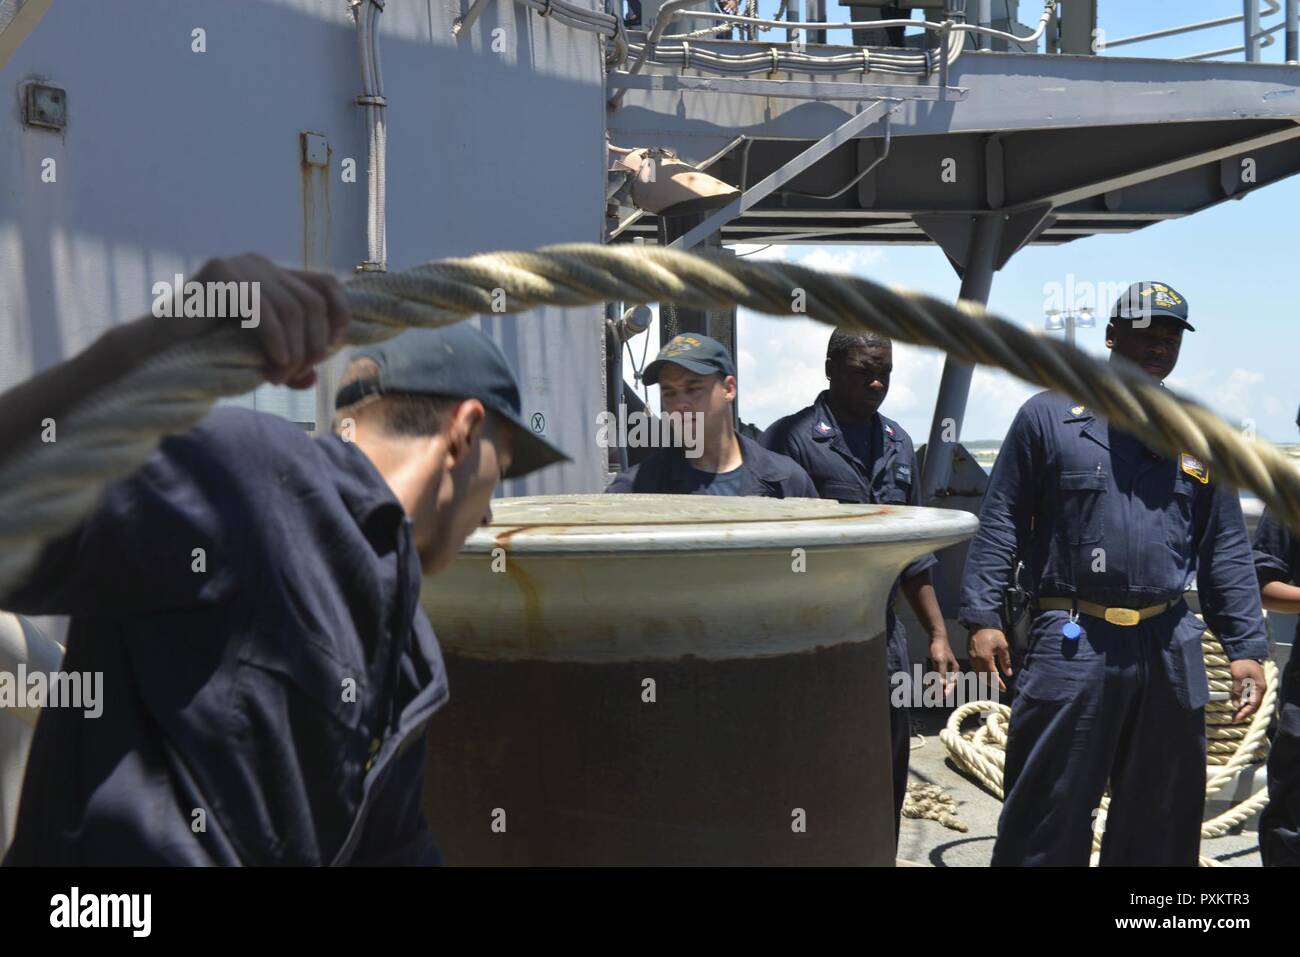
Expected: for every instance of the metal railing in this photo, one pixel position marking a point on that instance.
(1255, 36)
(954, 21)
(976, 17)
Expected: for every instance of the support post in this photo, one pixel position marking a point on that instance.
(983, 18)
(954, 387)
(1251, 9)
(817, 14)
(1292, 31)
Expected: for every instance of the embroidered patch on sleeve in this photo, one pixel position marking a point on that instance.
(1194, 467)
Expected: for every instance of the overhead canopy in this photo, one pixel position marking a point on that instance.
(1066, 146)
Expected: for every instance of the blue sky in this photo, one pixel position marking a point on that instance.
(1232, 263)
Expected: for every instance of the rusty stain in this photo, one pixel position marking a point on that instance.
(503, 537)
(315, 207)
(534, 633)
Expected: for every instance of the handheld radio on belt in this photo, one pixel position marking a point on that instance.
(1017, 612)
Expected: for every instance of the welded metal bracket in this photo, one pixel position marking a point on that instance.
(786, 172)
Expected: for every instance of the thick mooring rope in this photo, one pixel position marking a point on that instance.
(1231, 748)
(932, 802)
(45, 488)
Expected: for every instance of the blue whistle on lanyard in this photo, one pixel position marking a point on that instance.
(1071, 629)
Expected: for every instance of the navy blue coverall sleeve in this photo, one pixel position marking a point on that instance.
(1275, 556)
(136, 552)
(801, 484)
(776, 438)
(1226, 580)
(1005, 517)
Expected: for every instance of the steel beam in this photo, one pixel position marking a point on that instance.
(897, 214)
(1011, 92)
(1146, 174)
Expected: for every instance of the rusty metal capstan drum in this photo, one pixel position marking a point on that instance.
(658, 679)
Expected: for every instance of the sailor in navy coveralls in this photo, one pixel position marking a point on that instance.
(1113, 688)
(855, 454)
(251, 598)
(696, 377)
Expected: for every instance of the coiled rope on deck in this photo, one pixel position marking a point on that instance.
(1230, 748)
(932, 802)
(45, 488)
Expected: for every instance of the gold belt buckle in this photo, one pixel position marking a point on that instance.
(1123, 616)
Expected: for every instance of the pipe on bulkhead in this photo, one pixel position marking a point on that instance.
(373, 104)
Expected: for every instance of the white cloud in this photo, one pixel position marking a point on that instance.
(781, 371)
(995, 398)
(1235, 396)
(853, 260)
(1273, 406)
(782, 363)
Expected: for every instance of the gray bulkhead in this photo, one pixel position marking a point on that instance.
(170, 156)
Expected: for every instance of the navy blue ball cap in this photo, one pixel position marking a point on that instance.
(1142, 300)
(691, 351)
(457, 362)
